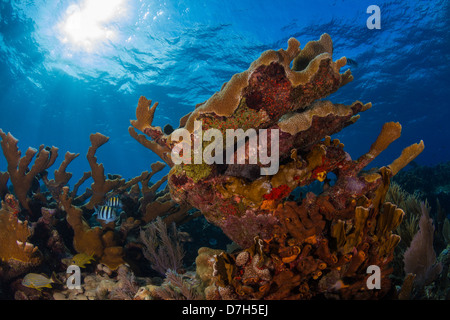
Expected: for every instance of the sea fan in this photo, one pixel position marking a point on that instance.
(163, 249)
(177, 287)
(420, 257)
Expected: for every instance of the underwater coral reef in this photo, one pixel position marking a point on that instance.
(128, 238)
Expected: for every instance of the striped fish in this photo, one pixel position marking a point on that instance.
(114, 202)
(106, 213)
(38, 281)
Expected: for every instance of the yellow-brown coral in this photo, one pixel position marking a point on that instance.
(100, 186)
(17, 256)
(20, 176)
(91, 241)
(317, 246)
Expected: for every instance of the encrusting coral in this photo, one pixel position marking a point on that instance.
(321, 246)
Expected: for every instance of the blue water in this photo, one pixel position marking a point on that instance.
(59, 86)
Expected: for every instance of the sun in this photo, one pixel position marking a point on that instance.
(89, 22)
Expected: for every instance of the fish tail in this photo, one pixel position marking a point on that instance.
(54, 279)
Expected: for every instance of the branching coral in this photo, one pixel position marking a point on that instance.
(18, 167)
(101, 186)
(144, 115)
(105, 243)
(323, 245)
(91, 241)
(61, 177)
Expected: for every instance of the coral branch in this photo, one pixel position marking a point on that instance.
(389, 133)
(86, 175)
(61, 176)
(91, 241)
(101, 186)
(144, 114)
(86, 239)
(161, 150)
(408, 155)
(18, 168)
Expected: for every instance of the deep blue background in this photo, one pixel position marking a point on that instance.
(180, 52)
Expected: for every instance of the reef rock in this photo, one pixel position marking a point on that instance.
(322, 244)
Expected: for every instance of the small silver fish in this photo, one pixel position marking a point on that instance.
(106, 213)
(114, 202)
